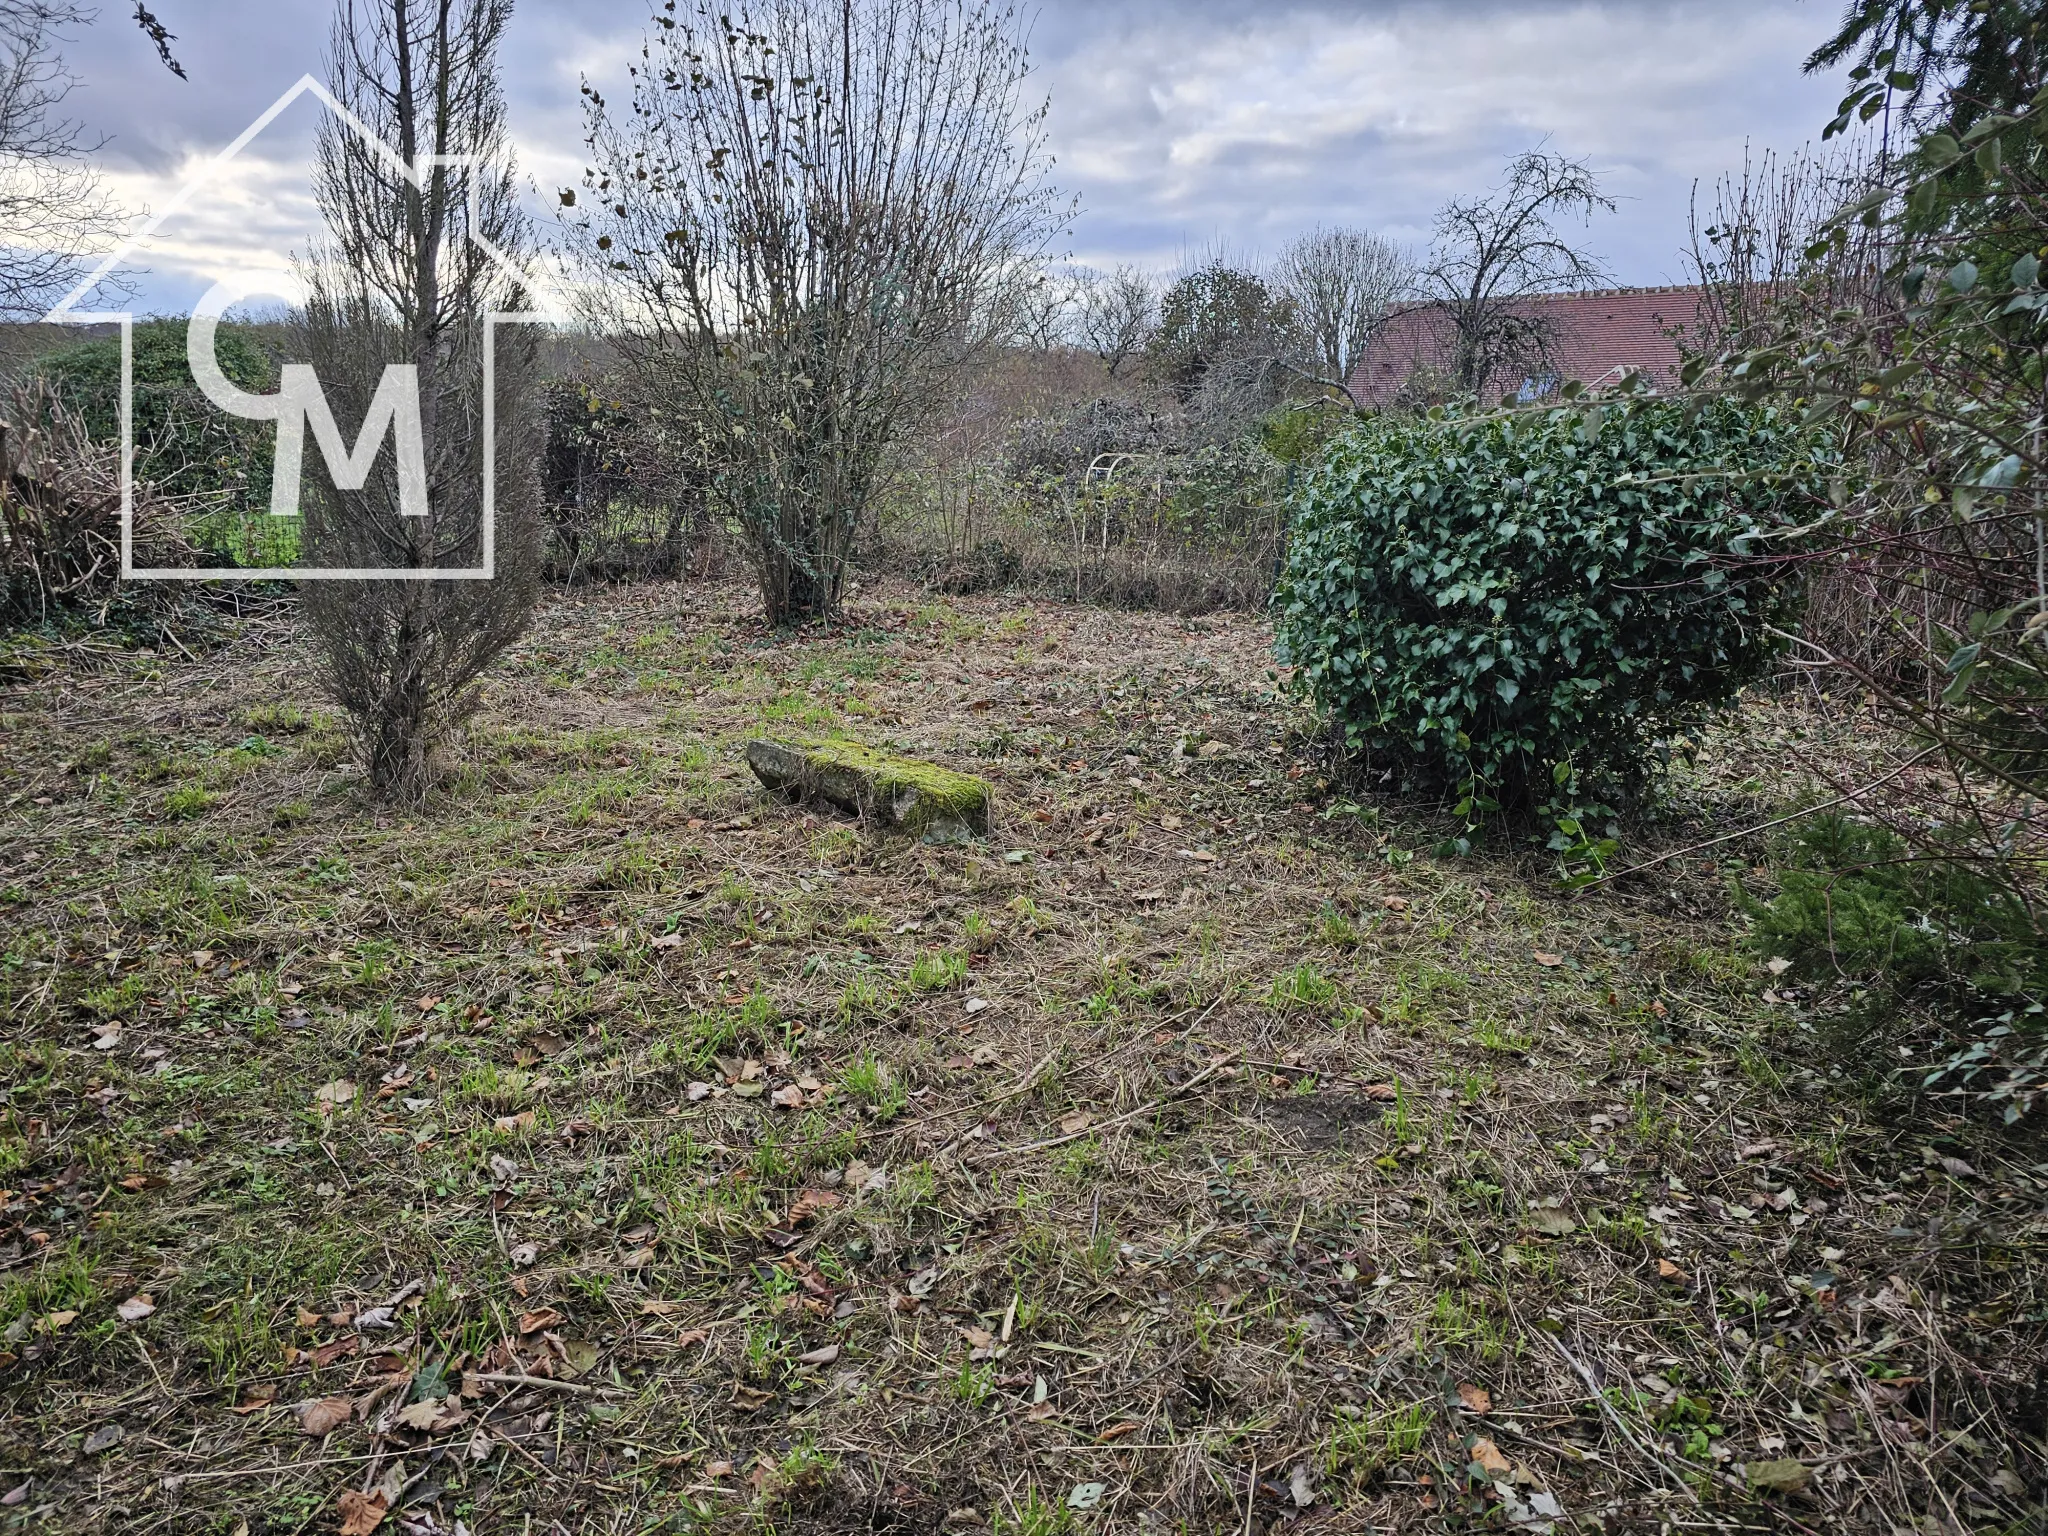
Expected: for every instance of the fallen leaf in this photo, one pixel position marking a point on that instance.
(1301, 1486)
(1475, 1398)
(1086, 1495)
(105, 1438)
(108, 1037)
(325, 1415)
(824, 1355)
(1156, 893)
(14, 1496)
(639, 1258)
(1551, 1222)
(1957, 1168)
(697, 1091)
(54, 1321)
(1394, 903)
(503, 1169)
(539, 1318)
(1783, 1476)
(362, 1513)
(666, 941)
(1486, 1455)
(1075, 1123)
(789, 1097)
(1777, 965)
(524, 1254)
(261, 1397)
(810, 1202)
(508, 1125)
(340, 1349)
(419, 1415)
(333, 1096)
(1384, 1093)
(718, 1469)
(1666, 1270)
(136, 1308)
(1544, 957)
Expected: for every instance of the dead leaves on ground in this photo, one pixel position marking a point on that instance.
(362, 1513)
(322, 1416)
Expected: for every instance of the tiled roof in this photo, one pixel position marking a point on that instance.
(1594, 336)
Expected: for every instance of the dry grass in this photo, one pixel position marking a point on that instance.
(1280, 1159)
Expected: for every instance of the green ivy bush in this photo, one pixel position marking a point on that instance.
(1529, 605)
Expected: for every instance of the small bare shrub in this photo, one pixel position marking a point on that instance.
(405, 280)
(60, 510)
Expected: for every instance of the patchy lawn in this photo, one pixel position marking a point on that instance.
(612, 1148)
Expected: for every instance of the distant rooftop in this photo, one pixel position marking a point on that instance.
(1595, 336)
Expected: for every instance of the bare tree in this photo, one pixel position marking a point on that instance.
(1116, 313)
(1748, 252)
(1343, 284)
(812, 216)
(54, 209)
(1045, 310)
(1492, 253)
(406, 278)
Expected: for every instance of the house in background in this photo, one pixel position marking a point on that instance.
(1593, 337)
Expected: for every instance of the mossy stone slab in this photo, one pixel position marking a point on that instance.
(900, 793)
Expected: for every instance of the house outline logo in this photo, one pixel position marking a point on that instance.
(66, 312)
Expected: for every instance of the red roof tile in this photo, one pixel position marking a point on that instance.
(1594, 336)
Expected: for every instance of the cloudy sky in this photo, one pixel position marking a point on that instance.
(1182, 125)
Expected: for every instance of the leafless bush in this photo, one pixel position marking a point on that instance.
(1748, 251)
(1116, 313)
(60, 510)
(1113, 501)
(804, 303)
(1343, 284)
(406, 281)
(622, 499)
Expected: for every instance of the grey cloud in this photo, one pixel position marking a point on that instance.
(1178, 123)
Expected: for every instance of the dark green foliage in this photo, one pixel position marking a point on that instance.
(1214, 316)
(1513, 606)
(1857, 903)
(190, 451)
(1935, 58)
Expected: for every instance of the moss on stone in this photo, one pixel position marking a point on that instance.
(898, 791)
